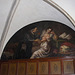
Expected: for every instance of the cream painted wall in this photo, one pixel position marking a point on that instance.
(29, 12)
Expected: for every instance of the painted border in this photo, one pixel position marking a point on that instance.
(43, 68)
(68, 66)
(55, 67)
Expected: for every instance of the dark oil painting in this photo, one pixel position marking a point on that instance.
(41, 40)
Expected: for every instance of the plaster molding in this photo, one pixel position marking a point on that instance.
(50, 2)
(8, 22)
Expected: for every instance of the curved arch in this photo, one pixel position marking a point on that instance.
(61, 10)
(24, 38)
(10, 17)
(8, 22)
(34, 23)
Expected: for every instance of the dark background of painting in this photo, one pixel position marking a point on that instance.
(14, 45)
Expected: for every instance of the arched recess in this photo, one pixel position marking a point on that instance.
(8, 24)
(34, 38)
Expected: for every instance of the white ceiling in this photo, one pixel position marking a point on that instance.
(32, 11)
(68, 6)
(5, 6)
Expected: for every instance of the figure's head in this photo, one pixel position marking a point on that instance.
(34, 30)
(48, 30)
(45, 37)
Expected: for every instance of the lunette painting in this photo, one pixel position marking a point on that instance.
(41, 40)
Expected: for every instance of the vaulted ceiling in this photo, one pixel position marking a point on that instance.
(15, 14)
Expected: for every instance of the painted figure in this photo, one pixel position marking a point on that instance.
(30, 36)
(45, 47)
(43, 51)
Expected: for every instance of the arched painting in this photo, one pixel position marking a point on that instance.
(42, 39)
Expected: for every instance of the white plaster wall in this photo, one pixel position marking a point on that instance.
(5, 6)
(33, 11)
(68, 6)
